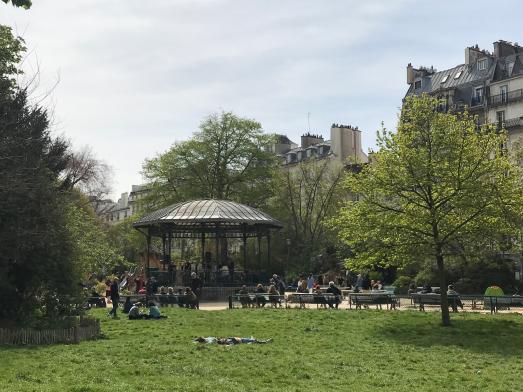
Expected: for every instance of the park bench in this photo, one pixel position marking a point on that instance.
(434, 299)
(255, 299)
(495, 303)
(320, 299)
(378, 299)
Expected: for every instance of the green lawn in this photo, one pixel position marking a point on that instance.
(313, 349)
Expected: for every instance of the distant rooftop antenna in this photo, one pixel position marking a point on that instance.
(309, 120)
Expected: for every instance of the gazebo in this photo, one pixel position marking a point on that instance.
(210, 221)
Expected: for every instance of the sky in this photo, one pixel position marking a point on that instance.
(130, 77)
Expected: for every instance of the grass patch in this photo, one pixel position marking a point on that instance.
(311, 350)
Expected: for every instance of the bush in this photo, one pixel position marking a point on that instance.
(402, 284)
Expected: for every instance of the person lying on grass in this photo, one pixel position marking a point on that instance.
(230, 340)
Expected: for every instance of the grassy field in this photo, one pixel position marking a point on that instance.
(311, 350)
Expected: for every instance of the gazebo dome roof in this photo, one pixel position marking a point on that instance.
(209, 214)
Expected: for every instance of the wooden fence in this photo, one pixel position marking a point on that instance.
(87, 329)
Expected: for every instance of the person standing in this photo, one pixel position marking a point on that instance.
(115, 297)
(310, 282)
(196, 287)
(279, 284)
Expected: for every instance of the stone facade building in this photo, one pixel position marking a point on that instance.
(489, 84)
(344, 146)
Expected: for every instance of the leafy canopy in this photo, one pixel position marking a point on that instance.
(439, 182)
(225, 159)
(19, 3)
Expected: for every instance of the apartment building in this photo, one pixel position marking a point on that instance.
(344, 146)
(127, 205)
(488, 84)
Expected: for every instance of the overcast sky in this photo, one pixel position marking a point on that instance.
(135, 76)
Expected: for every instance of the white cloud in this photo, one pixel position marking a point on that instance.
(137, 75)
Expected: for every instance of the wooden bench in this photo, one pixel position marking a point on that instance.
(378, 299)
(256, 300)
(435, 299)
(322, 299)
(495, 303)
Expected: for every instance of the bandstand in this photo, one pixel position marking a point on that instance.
(211, 223)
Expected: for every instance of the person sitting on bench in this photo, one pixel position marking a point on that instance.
(191, 300)
(337, 293)
(274, 296)
(455, 301)
(260, 297)
(245, 300)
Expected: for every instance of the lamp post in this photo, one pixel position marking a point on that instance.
(288, 242)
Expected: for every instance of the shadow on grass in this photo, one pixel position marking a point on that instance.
(480, 335)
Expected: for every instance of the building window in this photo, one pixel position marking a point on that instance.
(458, 74)
(477, 98)
(482, 64)
(500, 117)
(503, 91)
(444, 78)
(417, 84)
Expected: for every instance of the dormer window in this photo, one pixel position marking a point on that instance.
(417, 84)
(482, 64)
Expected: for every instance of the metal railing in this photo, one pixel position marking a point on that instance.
(510, 96)
(477, 101)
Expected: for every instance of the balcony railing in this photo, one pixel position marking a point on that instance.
(501, 99)
(476, 101)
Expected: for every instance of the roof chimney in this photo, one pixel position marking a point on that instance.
(410, 74)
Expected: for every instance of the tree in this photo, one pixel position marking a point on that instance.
(305, 197)
(19, 3)
(224, 160)
(39, 276)
(92, 248)
(438, 187)
(11, 51)
(87, 173)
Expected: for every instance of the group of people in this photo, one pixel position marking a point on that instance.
(261, 296)
(274, 296)
(454, 300)
(134, 312)
(183, 298)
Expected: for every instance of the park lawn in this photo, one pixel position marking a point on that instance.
(321, 350)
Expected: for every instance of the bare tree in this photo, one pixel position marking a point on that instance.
(88, 174)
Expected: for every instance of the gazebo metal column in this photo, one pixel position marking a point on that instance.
(203, 250)
(268, 248)
(244, 237)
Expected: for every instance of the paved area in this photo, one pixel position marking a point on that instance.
(344, 306)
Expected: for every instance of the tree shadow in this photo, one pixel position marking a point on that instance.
(488, 335)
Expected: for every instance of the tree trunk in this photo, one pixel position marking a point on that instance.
(445, 315)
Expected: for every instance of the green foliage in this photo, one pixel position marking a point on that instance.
(93, 251)
(225, 159)
(35, 260)
(402, 284)
(39, 278)
(358, 350)
(11, 51)
(20, 3)
(437, 187)
(126, 240)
